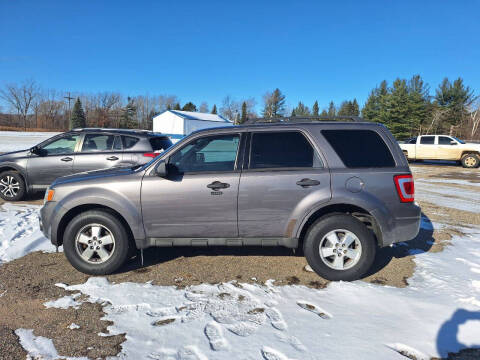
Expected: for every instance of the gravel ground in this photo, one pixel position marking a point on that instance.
(29, 281)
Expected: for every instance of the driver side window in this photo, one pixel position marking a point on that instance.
(211, 153)
(62, 146)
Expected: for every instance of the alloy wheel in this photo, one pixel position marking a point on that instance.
(9, 186)
(340, 249)
(95, 243)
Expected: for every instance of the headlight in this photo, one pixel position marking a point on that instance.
(48, 195)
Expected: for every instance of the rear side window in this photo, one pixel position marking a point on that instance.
(129, 141)
(97, 142)
(286, 149)
(360, 148)
(160, 143)
(427, 140)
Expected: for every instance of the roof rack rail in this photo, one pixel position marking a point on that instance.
(111, 129)
(302, 119)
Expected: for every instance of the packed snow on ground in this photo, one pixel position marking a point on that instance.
(39, 347)
(438, 312)
(20, 140)
(20, 232)
(448, 196)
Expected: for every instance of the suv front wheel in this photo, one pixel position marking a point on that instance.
(96, 243)
(12, 186)
(339, 247)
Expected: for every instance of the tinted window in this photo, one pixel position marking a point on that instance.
(160, 143)
(97, 142)
(360, 148)
(444, 140)
(117, 144)
(129, 141)
(281, 150)
(411, 141)
(211, 153)
(427, 140)
(64, 145)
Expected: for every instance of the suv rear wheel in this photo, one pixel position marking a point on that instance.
(96, 243)
(12, 186)
(339, 247)
(470, 161)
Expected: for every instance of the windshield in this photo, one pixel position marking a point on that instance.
(460, 141)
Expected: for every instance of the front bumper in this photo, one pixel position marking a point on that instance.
(46, 217)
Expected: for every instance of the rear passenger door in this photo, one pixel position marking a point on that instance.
(283, 175)
(426, 148)
(98, 151)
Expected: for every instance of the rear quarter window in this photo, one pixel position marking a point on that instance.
(360, 148)
(129, 141)
(160, 143)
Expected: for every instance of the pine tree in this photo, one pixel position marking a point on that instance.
(293, 113)
(128, 119)
(243, 118)
(332, 111)
(302, 110)
(315, 108)
(78, 116)
(274, 104)
(214, 109)
(355, 108)
(398, 106)
(324, 113)
(419, 104)
(455, 98)
(189, 107)
(177, 107)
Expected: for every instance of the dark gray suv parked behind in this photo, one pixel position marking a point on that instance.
(72, 152)
(336, 190)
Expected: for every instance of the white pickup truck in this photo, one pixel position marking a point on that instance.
(442, 147)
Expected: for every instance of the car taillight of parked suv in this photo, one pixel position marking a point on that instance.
(336, 190)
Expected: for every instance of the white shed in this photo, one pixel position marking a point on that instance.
(176, 124)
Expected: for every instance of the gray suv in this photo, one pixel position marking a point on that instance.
(72, 152)
(336, 190)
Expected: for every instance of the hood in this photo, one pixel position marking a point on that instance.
(14, 155)
(92, 175)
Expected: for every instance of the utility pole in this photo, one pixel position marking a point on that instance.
(69, 98)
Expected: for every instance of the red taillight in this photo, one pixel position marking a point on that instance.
(405, 187)
(152, 155)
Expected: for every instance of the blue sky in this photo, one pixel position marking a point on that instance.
(204, 50)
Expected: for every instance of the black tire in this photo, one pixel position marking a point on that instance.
(15, 179)
(120, 251)
(470, 161)
(324, 226)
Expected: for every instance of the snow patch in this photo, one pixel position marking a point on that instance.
(20, 232)
(39, 347)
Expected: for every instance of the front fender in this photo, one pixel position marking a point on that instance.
(121, 203)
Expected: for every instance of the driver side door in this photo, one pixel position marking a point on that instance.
(53, 160)
(198, 198)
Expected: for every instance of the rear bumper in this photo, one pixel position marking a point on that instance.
(399, 229)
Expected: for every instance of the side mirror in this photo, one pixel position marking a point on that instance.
(35, 150)
(161, 169)
(453, 142)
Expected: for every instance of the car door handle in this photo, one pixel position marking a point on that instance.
(66, 159)
(216, 185)
(308, 182)
(112, 158)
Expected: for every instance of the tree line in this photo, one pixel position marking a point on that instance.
(406, 107)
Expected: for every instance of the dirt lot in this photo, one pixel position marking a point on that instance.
(28, 282)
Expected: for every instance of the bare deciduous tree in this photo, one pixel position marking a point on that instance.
(21, 97)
